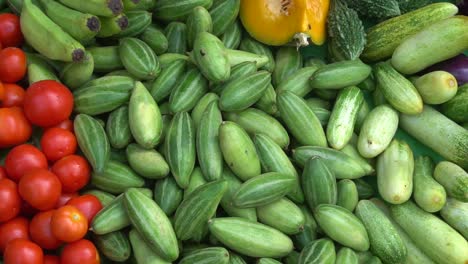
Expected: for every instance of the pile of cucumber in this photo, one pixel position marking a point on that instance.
(210, 147)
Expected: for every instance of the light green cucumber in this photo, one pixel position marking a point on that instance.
(236, 57)
(255, 121)
(162, 86)
(168, 195)
(455, 214)
(104, 197)
(346, 256)
(224, 13)
(188, 90)
(238, 151)
(233, 35)
(115, 245)
(340, 74)
(156, 39)
(436, 87)
(287, 61)
(251, 45)
(200, 107)
(196, 180)
(364, 110)
(147, 162)
(144, 117)
(428, 193)
(168, 10)
(282, 215)
(367, 164)
(342, 226)
(453, 178)
(210, 255)
(199, 20)
(395, 168)
(116, 178)
(377, 131)
(348, 196)
(267, 103)
(209, 54)
(138, 58)
(166, 58)
(250, 238)
(313, 102)
(319, 183)
(197, 208)
(268, 261)
(238, 72)
(106, 59)
(298, 82)
(433, 236)
(176, 34)
(343, 116)
(118, 128)
(300, 120)
(180, 148)
(319, 251)
(142, 252)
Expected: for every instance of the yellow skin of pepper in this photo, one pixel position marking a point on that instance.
(278, 22)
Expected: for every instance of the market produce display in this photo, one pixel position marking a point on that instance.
(233, 131)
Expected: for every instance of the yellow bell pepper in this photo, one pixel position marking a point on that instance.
(277, 22)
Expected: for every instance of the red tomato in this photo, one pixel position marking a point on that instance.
(73, 171)
(22, 159)
(12, 65)
(40, 188)
(3, 174)
(14, 95)
(80, 252)
(64, 198)
(57, 143)
(66, 124)
(51, 259)
(69, 224)
(22, 251)
(88, 204)
(2, 93)
(16, 129)
(15, 228)
(10, 204)
(27, 210)
(10, 30)
(41, 231)
(47, 103)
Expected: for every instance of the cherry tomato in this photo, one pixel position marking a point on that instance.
(2, 93)
(69, 224)
(47, 103)
(27, 210)
(16, 129)
(22, 251)
(88, 204)
(57, 143)
(10, 200)
(10, 30)
(22, 159)
(73, 171)
(14, 95)
(3, 174)
(66, 124)
(40, 188)
(15, 228)
(64, 198)
(80, 252)
(51, 259)
(41, 231)
(12, 65)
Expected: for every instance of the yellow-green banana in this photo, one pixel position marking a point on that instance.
(105, 8)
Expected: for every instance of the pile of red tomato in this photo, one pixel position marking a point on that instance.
(43, 219)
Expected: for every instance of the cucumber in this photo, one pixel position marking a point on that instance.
(397, 90)
(102, 95)
(267, 102)
(341, 164)
(377, 131)
(142, 252)
(436, 87)
(368, 84)
(188, 90)
(319, 251)
(428, 193)
(197, 208)
(116, 178)
(455, 214)
(224, 13)
(106, 59)
(385, 37)
(210, 255)
(176, 34)
(430, 46)
(92, 140)
(456, 107)
(238, 151)
(348, 195)
(339, 75)
(233, 184)
(250, 238)
(168, 195)
(232, 36)
(342, 226)
(343, 116)
(384, 239)
(251, 45)
(104, 197)
(156, 39)
(236, 57)
(346, 256)
(199, 20)
(287, 61)
(238, 73)
(118, 128)
(262, 190)
(74, 75)
(147, 163)
(168, 10)
(322, 114)
(313, 102)
(152, 223)
(180, 151)
(209, 153)
(395, 172)
(268, 261)
(298, 82)
(138, 58)
(282, 215)
(138, 21)
(210, 56)
(364, 110)
(433, 236)
(300, 120)
(292, 258)
(200, 107)
(166, 58)
(454, 179)
(309, 229)
(367, 164)
(255, 121)
(439, 133)
(115, 245)
(319, 183)
(365, 190)
(163, 85)
(145, 118)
